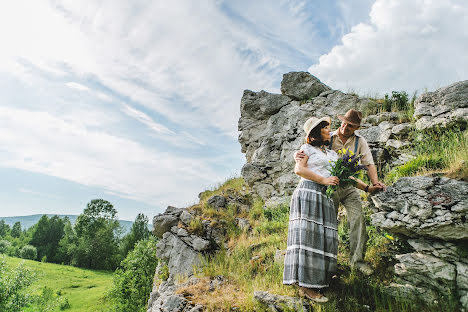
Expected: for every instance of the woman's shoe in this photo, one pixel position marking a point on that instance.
(318, 297)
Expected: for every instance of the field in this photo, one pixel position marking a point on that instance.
(83, 288)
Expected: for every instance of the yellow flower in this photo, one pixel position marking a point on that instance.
(389, 237)
(349, 160)
(351, 153)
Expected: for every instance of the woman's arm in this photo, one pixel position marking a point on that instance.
(302, 170)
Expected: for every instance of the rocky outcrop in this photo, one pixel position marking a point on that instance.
(429, 213)
(271, 130)
(445, 107)
(424, 206)
(178, 247)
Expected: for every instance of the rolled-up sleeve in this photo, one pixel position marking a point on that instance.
(364, 150)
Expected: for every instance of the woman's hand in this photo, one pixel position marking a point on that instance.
(331, 181)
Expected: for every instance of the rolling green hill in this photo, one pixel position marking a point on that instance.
(83, 288)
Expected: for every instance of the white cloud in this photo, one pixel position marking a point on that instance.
(77, 86)
(145, 119)
(44, 143)
(407, 45)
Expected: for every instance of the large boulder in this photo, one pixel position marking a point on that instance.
(271, 129)
(424, 206)
(302, 86)
(430, 212)
(445, 107)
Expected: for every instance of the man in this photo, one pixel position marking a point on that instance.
(345, 137)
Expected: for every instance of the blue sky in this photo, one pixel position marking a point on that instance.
(137, 102)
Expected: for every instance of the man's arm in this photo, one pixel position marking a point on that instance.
(372, 173)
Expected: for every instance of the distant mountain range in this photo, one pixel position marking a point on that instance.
(28, 221)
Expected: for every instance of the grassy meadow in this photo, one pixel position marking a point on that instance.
(84, 289)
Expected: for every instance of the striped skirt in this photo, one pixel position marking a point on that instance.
(312, 238)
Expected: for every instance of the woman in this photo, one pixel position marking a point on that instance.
(312, 235)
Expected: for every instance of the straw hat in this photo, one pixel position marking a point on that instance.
(313, 122)
(352, 117)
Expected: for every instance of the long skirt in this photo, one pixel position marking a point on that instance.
(312, 237)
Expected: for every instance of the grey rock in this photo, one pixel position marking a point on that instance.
(243, 224)
(252, 173)
(396, 144)
(173, 210)
(402, 130)
(426, 271)
(261, 105)
(302, 86)
(162, 223)
(377, 134)
(186, 217)
(421, 206)
(199, 244)
(217, 201)
(384, 116)
(445, 107)
(278, 303)
(180, 257)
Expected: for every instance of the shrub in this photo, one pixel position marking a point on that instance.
(398, 101)
(28, 252)
(4, 246)
(133, 281)
(13, 283)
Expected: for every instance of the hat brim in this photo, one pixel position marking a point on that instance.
(315, 124)
(343, 118)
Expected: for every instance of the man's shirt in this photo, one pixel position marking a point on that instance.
(362, 147)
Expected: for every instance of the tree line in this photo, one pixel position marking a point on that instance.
(95, 241)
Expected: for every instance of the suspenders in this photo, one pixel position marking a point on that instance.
(356, 143)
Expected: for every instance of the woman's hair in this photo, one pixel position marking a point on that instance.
(315, 135)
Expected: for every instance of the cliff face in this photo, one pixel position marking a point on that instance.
(271, 126)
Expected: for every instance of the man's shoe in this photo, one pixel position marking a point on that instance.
(364, 268)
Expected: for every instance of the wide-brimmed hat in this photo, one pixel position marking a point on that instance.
(313, 122)
(352, 117)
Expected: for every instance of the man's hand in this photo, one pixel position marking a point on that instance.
(298, 156)
(375, 188)
(380, 185)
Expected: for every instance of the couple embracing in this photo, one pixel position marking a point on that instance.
(311, 254)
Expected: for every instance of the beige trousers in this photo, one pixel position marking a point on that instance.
(350, 199)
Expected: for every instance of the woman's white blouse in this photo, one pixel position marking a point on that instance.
(318, 162)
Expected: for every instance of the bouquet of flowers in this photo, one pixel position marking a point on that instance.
(346, 166)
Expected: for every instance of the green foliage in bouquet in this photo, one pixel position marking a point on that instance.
(345, 167)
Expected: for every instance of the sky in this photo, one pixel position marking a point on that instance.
(137, 102)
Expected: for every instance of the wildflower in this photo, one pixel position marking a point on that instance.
(344, 168)
(389, 237)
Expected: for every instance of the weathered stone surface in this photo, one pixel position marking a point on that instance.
(243, 224)
(261, 105)
(384, 116)
(217, 201)
(165, 298)
(277, 303)
(444, 107)
(424, 206)
(402, 130)
(252, 173)
(377, 134)
(180, 257)
(462, 284)
(426, 271)
(186, 217)
(302, 86)
(163, 223)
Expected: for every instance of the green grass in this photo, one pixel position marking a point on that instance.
(84, 289)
